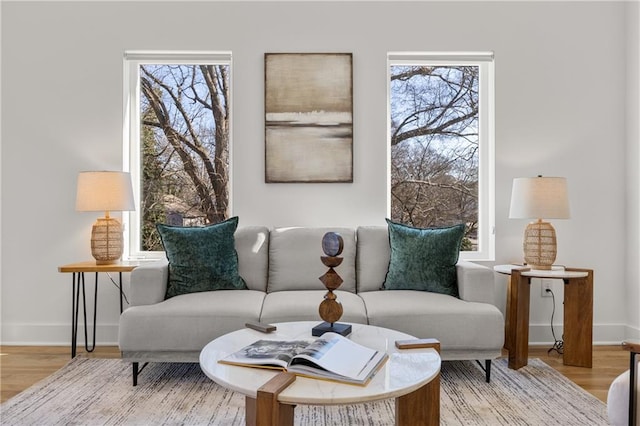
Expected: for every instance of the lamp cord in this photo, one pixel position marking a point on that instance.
(124, 296)
(558, 345)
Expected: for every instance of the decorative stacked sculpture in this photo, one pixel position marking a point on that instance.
(330, 310)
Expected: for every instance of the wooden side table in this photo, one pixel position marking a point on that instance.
(78, 270)
(578, 313)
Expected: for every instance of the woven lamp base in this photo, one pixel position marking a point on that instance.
(540, 247)
(106, 241)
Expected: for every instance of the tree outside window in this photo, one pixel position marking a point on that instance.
(180, 119)
(435, 145)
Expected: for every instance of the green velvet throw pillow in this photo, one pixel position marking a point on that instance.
(201, 258)
(424, 259)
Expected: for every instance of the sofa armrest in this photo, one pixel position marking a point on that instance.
(475, 282)
(149, 283)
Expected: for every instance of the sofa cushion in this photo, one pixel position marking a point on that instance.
(458, 324)
(294, 259)
(373, 254)
(189, 321)
(302, 305)
(424, 259)
(201, 258)
(252, 245)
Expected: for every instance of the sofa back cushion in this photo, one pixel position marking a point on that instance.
(252, 245)
(294, 259)
(373, 257)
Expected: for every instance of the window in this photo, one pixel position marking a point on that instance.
(441, 148)
(177, 136)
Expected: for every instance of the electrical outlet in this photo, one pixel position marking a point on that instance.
(546, 284)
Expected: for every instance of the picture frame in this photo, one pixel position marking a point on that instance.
(308, 117)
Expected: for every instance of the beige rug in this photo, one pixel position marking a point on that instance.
(99, 392)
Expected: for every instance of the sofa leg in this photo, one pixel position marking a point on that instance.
(136, 369)
(486, 368)
(135, 373)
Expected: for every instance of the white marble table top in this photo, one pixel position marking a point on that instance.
(404, 371)
(555, 272)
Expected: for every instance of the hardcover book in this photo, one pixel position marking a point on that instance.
(330, 357)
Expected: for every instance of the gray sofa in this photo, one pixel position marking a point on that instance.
(281, 269)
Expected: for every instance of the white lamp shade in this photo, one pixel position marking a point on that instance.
(539, 198)
(104, 191)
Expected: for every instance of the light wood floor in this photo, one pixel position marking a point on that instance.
(22, 366)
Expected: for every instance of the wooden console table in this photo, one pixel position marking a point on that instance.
(78, 270)
(578, 313)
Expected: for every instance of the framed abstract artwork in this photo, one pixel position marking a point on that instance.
(308, 117)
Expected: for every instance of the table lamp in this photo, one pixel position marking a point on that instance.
(105, 191)
(539, 198)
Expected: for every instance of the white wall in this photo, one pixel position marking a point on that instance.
(633, 170)
(561, 79)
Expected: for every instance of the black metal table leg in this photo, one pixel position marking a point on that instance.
(95, 310)
(120, 288)
(78, 271)
(633, 412)
(75, 303)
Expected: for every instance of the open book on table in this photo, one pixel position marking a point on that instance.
(330, 356)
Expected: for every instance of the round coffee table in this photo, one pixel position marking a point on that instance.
(411, 376)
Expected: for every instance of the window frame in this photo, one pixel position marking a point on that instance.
(486, 149)
(131, 155)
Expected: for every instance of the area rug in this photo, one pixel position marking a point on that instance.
(99, 392)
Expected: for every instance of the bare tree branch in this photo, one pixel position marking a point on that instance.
(434, 146)
(213, 194)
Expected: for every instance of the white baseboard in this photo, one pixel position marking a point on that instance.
(603, 334)
(56, 334)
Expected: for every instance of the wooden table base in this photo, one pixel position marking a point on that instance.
(578, 319)
(265, 410)
(517, 327)
(418, 408)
